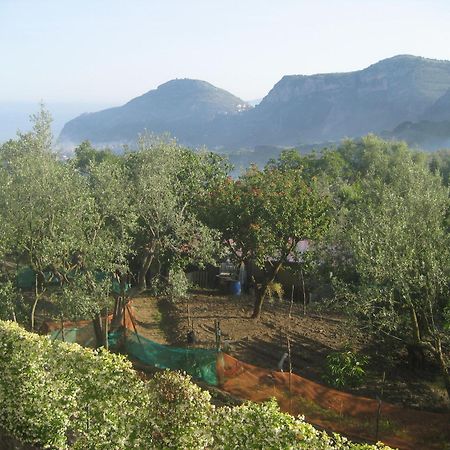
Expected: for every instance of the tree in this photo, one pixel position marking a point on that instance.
(56, 225)
(86, 156)
(264, 215)
(166, 181)
(398, 246)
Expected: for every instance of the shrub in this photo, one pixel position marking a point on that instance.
(178, 285)
(179, 412)
(60, 395)
(264, 426)
(275, 290)
(345, 369)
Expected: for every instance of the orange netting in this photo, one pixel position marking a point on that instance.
(334, 410)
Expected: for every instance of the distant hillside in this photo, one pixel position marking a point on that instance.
(439, 110)
(425, 134)
(299, 110)
(316, 108)
(183, 107)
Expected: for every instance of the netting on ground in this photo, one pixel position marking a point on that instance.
(199, 363)
(351, 415)
(81, 332)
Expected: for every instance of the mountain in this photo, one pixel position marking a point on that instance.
(425, 134)
(316, 108)
(299, 110)
(182, 107)
(439, 110)
(432, 131)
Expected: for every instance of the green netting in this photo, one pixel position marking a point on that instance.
(84, 336)
(26, 278)
(116, 287)
(199, 363)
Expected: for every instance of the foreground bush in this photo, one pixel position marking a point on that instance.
(62, 396)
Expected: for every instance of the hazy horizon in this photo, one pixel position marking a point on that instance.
(90, 55)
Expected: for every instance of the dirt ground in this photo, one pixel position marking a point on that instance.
(263, 342)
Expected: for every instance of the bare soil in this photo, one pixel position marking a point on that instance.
(263, 342)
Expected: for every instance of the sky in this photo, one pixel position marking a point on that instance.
(109, 51)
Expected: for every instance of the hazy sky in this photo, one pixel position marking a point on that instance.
(112, 50)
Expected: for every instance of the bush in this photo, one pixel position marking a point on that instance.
(345, 369)
(178, 285)
(275, 290)
(179, 412)
(12, 306)
(59, 395)
(264, 426)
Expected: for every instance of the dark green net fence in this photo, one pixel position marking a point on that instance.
(199, 363)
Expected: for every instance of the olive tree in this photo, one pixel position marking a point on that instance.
(56, 225)
(166, 180)
(397, 243)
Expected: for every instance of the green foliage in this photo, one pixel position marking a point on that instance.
(264, 426)
(166, 182)
(275, 290)
(345, 369)
(61, 396)
(178, 285)
(56, 220)
(82, 297)
(179, 413)
(399, 246)
(87, 156)
(264, 215)
(11, 302)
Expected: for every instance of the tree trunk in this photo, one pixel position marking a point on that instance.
(259, 298)
(39, 285)
(443, 366)
(415, 325)
(304, 292)
(143, 269)
(261, 293)
(99, 335)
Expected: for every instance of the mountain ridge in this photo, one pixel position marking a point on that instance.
(299, 109)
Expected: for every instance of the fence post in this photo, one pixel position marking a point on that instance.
(380, 399)
(218, 335)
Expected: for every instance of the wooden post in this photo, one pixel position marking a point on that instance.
(380, 399)
(292, 302)
(63, 335)
(122, 307)
(289, 351)
(36, 298)
(218, 335)
(106, 330)
(304, 292)
(290, 374)
(134, 325)
(188, 313)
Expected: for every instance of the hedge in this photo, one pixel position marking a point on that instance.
(60, 396)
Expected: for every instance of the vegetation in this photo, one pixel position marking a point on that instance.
(374, 213)
(264, 215)
(345, 369)
(387, 248)
(60, 395)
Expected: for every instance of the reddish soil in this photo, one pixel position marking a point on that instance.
(263, 342)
